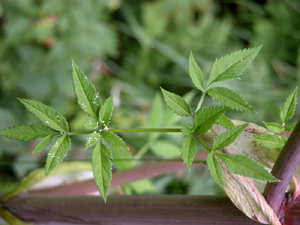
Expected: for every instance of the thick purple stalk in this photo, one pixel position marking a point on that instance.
(120, 210)
(283, 170)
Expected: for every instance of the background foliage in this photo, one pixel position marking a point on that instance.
(130, 48)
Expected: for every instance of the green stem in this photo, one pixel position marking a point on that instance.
(146, 130)
(201, 101)
(203, 144)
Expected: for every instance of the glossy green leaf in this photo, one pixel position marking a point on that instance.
(85, 91)
(206, 117)
(113, 139)
(224, 121)
(229, 98)
(57, 152)
(243, 165)
(269, 140)
(42, 144)
(106, 111)
(92, 139)
(232, 66)
(273, 127)
(288, 109)
(49, 116)
(27, 132)
(195, 73)
(215, 169)
(176, 103)
(228, 137)
(102, 167)
(188, 150)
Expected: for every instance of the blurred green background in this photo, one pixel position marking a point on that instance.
(131, 48)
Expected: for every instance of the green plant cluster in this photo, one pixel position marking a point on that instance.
(130, 48)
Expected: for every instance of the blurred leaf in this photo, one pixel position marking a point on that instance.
(269, 140)
(165, 149)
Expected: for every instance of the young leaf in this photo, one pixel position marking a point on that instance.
(290, 127)
(231, 66)
(43, 143)
(269, 140)
(106, 111)
(288, 109)
(92, 139)
(176, 103)
(102, 166)
(195, 73)
(273, 127)
(49, 116)
(225, 122)
(205, 118)
(186, 130)
(113, 139)
(229, 98)
(215, 169)
(243, 165)
(27, 132)
(92, 124)
(228, 137)
(57, 152)
(85, 91)
(188, 150)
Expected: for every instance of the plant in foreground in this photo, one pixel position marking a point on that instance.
(232, 169)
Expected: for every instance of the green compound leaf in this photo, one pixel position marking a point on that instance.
(215, 169)
(49, 116)
(106, 111)
(232, 66)
(57, 152)
(243, 165)
(92, 139)
(188, 150)
(186, 130)
(27, 132)
(225, 122)
(228, 137)
(206, 117)
(269, 140)
(195, 73)
(176, 103)
(290, 127)
(273, 127)
(102, 167)
(85, 91)
(43, 143)
(229, 98)
(288, 109)
(113, 139)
